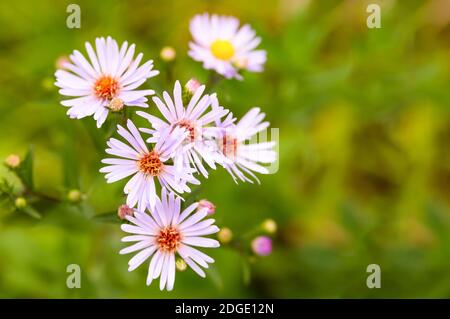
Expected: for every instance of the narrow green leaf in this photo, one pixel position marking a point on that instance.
(96, 135)
(246, 272)
(31, 212)
(192, 197)
(25, 170)
(70, 166)
(107, 218)
(215, 276)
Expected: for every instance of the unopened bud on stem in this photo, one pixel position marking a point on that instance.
(189, 89)
(20, 202)
(225, 235)
(125, 210)
(269, 226)
(168, 54)
(74, 195)
(211, 209)
(12, 161)
(181, 264)
(262, 245)
(116, 105)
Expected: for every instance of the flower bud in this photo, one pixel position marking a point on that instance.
(269, 226)
(12, 161)
(262, 245)
(20, 202)
(211, 209)
(189, 90)
(168, 54)
(225, 235)
(61, 61)
(125, 210)
(192, 85)
(74, 195)
(116, 105)
(181, 264)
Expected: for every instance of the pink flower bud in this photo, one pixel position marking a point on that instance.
(61, 62)
(124, 211)
(168, 54)
(12, 161)
(192, 85)
(262, 245)
(207, 204)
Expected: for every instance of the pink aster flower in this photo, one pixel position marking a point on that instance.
(166, 232)
(145, 165)
(108, 79)
(196, 119)
(241, 157)
(224, 47)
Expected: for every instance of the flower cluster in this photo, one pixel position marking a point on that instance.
(192, 134)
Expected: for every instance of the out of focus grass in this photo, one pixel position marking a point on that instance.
(364, 149)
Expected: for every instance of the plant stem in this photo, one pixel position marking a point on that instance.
(213, 79)
(43, 196)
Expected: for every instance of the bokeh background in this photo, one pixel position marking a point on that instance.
(364, 169)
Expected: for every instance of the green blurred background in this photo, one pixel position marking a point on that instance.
(364, 174)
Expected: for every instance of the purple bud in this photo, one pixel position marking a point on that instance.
(262, 245)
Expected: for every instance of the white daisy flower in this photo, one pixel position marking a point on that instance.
(195, 118)
(146, 165)
(166, 232)
(107, 82)
(241, 158)
(222, 46)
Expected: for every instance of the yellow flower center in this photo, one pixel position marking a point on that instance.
(222, 49)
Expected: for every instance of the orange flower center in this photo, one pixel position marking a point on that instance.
(106, 87)
(150, 164)
(169, 239)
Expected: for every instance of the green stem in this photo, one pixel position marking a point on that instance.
(213, 79)
(43, 196)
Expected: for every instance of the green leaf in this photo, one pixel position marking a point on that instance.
(192, 196)
(107, 218)
(25, 170)
(215, 276)
(71, 172)
(96, 135)
(246, 272)
(31, 212)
